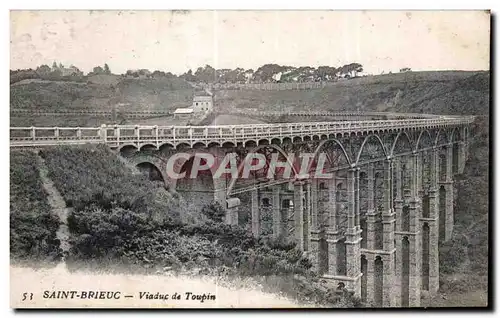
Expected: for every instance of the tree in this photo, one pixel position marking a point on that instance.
(54, 65)
(43, 69)
(357, 68)
(98, 70)
(207, 74)
(106, 69)
(265, 72)
(188, 76)
(326, 73)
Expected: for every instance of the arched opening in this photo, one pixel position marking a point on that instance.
(425, 256)
(425, 206)
(455, 155)
(199, 189)
(379, 206)
(364, 278)
(378, 281)
(442, 167)
(426, 170)
(442, 214)
(323, 256)
(405, 219)
(363, 206)
(341, 258)
(266, 202)
(339, 195)
(405, 272)
(151, 171)
(128, 150)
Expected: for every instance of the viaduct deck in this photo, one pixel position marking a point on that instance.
(118, 136)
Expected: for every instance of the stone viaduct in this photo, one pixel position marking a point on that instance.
(374, 228)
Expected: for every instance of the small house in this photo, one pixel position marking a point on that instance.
(202, 104)
(183, 113)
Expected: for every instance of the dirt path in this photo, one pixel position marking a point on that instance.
(58, 205)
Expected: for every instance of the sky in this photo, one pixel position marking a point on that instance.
(176, 41)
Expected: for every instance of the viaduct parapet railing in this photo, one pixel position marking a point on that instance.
(120, 135)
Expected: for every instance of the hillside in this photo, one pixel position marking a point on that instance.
(452, 92)
(449, 92)
(102, 93)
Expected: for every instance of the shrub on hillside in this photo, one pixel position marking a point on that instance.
(32, 225)
(214, 212)
(95, 176)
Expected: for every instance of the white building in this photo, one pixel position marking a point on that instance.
(183, 113)
(202, 104)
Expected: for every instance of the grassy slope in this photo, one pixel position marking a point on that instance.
(433, 92)
(101, 93)
(33, 226)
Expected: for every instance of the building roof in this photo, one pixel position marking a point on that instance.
(183, 111)
(202, 98)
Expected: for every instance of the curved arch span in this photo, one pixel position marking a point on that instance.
(152, 160)
(147, 146)
(456, 135)
(240, 167)
(396, 140)
(363, 146)
(441, 132)
(321, 144)
(417, 143)
(127, 146)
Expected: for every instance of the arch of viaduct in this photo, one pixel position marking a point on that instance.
(373, 227)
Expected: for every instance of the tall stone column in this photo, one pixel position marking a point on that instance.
(332, 231)
(255, 212)
(388, 238)
(353, 235)
(415, 236)
(220, 184)
(357, 201)
(421, 172)
(370, 281)
(398, 202)
(370, 213)
(276, 212)
(461, 157)
(414, 239)
(298, 205)
(220, 191)
(314, 231)
(448, 187)
(398, 209)
(433, 222)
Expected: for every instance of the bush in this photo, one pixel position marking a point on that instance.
(93, 175)
(32, 225)
(214, 212)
